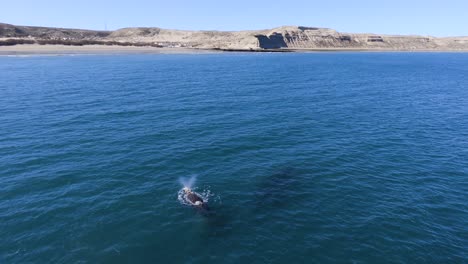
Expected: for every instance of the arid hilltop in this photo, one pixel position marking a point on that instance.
(281, 38)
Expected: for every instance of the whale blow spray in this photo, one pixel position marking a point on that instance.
(188, 182)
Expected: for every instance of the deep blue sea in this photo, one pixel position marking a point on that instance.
(304, 158)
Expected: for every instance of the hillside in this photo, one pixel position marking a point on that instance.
(284, 38)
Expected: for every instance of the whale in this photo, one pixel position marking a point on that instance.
(194, 199)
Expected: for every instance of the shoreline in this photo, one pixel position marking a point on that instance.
(35, 49)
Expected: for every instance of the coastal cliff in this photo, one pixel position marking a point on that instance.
(281, 38)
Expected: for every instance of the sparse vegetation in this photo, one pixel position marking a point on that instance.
(12, 42)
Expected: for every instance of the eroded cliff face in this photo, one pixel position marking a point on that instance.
(321, 38)
(283, 38)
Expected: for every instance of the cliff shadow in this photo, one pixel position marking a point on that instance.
(274, 41)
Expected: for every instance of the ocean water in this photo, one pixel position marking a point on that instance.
(304, 158)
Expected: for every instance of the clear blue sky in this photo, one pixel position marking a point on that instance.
(429, 17)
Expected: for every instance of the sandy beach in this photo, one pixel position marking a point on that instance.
(33, 49)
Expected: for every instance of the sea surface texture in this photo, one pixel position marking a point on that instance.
(304, 158)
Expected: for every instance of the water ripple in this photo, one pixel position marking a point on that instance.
(326, 157)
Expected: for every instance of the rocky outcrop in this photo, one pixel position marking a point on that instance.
(281, 38)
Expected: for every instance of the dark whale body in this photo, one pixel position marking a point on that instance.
(196, 200)
(193, 198)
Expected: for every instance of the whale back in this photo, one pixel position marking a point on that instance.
(193, 198)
